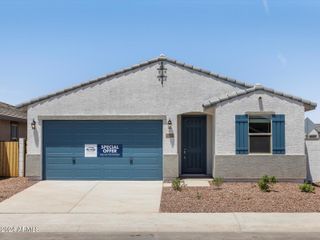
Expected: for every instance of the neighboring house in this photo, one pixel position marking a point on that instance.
(317, 128)
(312, 132)
(13, 123)
(162, 119)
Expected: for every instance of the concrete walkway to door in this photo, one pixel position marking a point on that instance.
(86, 197)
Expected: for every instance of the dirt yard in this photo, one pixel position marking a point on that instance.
(240, 197)
(11, 186)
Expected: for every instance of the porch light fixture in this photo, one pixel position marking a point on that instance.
(162, 71)
(169, 123)
(33, 124)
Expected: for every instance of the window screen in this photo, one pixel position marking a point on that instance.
(260, 144)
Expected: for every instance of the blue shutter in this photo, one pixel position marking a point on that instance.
(278, 134)
(242, 134)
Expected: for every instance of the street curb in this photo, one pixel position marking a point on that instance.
(166, 222)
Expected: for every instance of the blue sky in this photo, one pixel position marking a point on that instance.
(46, 46)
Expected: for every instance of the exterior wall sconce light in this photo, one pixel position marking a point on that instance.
(170, 133)
(169, 123)
(33, 124)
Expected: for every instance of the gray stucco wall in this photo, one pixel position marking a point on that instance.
(33, 166)
(313, 157)
(135, 95)
(253, 167)
(170, 166)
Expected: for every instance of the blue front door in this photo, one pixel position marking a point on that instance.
(64, 150)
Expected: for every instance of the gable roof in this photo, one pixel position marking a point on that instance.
(308, 125)
(8, 111)
(307, 104)
(134, 67)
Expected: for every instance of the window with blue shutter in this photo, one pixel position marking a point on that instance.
(278, 134)
(241, 134)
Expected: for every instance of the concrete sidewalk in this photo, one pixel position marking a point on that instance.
(166, 222)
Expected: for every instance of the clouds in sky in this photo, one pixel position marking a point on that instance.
(266, 6)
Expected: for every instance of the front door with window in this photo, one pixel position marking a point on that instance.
(194, 145)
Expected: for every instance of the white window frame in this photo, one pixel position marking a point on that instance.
(260, 134)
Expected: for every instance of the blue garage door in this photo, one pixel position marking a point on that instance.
(64, 150)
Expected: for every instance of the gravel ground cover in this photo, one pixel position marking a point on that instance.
(11, 186)
(240, 197)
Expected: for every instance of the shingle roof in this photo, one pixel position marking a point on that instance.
(8, 111)
(308, 104)
(317, 127)
(143, 64)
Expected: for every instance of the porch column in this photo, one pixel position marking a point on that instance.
(21, 156)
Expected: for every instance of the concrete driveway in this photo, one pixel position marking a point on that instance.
(86, 197)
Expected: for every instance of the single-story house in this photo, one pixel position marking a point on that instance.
(163, 119)
(13, 123)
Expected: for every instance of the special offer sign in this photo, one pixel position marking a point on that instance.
(103, 150)
(109, 150)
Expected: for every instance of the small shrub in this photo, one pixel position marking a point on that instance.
(265, 178)
(217, 182)
(198, 195)
(273, 180)
(265, 182)
(307, 187)
(263, 185)
(177, 184)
